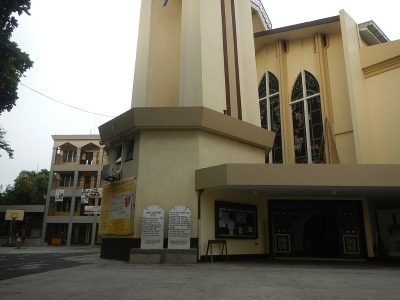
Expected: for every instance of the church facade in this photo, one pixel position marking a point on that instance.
(281, 142)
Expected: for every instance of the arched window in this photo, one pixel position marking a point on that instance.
(268, 93)
(308, 132)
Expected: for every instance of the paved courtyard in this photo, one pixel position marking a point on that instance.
(95, 278)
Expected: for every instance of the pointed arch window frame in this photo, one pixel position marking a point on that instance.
(304, 100)
(268, 99)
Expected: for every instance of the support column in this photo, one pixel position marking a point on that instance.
(49, 186)
(74, 189)
(96, 203)
(368, 229)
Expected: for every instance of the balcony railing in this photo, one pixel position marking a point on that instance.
(63, 208)
(68, 184)
(60, 160)
(264, 14)
(93, 161)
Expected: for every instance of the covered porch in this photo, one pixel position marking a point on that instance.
(300, 210)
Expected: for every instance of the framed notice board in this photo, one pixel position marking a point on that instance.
(235, 220)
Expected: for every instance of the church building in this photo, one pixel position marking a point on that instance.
(280, 142)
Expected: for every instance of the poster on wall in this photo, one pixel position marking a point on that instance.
(91, 194)
(121, 206)
(92, 210)
(389, 230)
(59, 197)
(235, 220)
(117, 208)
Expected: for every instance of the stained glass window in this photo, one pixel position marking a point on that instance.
(268, 92)
(312, 85)
(308, 132)
(262, 88)
(297, 92)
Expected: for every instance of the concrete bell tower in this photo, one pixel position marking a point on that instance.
(194, 106)
(197, 53)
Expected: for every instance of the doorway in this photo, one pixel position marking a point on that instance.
(316, 228)
(81, 234)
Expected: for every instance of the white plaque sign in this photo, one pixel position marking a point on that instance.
(179, 227)
(152, 228)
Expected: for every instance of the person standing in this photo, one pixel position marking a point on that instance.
(19, 240)
(23, 236)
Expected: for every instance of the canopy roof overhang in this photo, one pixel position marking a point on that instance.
(302, 180)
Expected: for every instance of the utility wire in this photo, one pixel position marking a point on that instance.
(66, 104)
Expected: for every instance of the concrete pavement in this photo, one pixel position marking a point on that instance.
(47, 249)
(106, 279)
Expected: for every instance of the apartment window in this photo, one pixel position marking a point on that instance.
(307, 120)
(118, 158)
(87, 158)
(268, 93)
(66, 180)
(64, 206)
(129, 152)
(69, 155)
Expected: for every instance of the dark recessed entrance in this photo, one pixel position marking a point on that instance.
(315, 228)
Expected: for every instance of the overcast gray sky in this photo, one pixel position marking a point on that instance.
(84, 55)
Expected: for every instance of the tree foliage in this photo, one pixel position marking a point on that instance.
(13, 62)
(29, 188)
(4, 145)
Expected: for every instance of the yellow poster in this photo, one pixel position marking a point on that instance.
(117, 208)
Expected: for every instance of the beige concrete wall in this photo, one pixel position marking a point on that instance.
(216, 150)
(268, 60)
(235, 246)
(202, 80)
(258, 24)
(166, 173)
(345, 147)
(139, 93)
(247, 65)
(157, 71)
(360, 114)
(383, 104)
(379, 53)
(190, 93)
(301, 56)
(167, 160)
(214, 96)
(342, 120)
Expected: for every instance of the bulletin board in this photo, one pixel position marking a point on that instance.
(235, 220)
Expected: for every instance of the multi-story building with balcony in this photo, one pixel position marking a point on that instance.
(76, 165)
